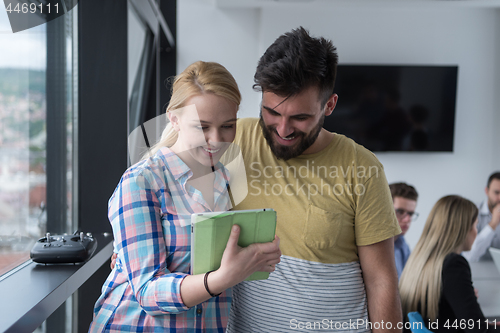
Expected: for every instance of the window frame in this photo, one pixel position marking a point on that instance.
(101, 131)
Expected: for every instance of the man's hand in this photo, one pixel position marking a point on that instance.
(113, 260)
(495, 217)
(381, 282)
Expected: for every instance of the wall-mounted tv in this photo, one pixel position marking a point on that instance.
(396, 108)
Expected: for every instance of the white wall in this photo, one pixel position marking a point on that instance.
(496, 123)
(227, 36)
(380, 33)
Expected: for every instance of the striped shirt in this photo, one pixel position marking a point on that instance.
(301, 295)
(328, 204)
(150, 213)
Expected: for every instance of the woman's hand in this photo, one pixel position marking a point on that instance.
(238, 263)
(113, 260)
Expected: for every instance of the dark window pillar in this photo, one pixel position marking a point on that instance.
(56, 126)
(167, 54)
(102, 126)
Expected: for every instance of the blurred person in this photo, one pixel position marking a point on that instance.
(404, 198)
(436, 281)
(488, 221)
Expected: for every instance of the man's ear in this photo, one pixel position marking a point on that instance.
(174, 120)
(330, 104)
(486, 190)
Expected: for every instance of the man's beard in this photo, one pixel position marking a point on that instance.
(287, 152)
(492, 204)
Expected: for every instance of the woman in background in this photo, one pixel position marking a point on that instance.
(436, 280)
(150, 288)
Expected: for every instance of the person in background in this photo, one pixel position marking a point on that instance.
(150, 288)
(436, 281)
(488, 221)
(404, 198)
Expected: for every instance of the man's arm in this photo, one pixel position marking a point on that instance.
(381, 282)
(484, 237)
(481, 244)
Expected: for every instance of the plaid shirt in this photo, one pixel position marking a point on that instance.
(150, 212)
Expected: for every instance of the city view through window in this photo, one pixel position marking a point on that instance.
(23, 137)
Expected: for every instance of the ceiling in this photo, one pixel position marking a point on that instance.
(315, 3)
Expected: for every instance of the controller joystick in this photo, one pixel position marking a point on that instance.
(63, 248)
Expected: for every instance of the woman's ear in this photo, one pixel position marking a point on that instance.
(174, 120)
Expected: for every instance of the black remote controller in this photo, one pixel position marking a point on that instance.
(63, 248)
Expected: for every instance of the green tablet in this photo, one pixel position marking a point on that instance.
(210, 232)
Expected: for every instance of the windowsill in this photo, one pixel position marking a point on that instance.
(32, 293)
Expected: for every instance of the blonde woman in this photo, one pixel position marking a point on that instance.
(150, 288)
(436, 280)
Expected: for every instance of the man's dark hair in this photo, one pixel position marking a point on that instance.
(495, 175)
(295, 62)
(403, 190)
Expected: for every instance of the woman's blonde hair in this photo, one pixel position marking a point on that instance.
(445, 231)
(197, 79)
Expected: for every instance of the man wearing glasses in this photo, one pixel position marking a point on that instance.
(404, 198)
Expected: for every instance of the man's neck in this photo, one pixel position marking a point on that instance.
(323, 140)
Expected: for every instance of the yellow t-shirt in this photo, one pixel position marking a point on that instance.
(327, 203)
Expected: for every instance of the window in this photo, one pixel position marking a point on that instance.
(151, 63)
(141, 61)
(103, 100)
(38, 77)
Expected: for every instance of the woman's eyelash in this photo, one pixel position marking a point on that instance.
(206, 127)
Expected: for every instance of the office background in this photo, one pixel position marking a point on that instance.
(107, 62)
(463, 33)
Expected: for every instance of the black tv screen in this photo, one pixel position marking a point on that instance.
(396, 108)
